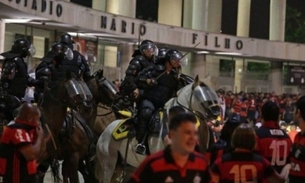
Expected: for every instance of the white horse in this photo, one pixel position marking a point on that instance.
(196, 97)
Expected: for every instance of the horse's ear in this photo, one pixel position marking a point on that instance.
(196, 82)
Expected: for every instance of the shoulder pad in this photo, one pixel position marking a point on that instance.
(18, 59)
(10, 63)
(140, 58)
(160, 67)
(44, 72)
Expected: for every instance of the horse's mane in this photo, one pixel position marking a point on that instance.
(184, 94)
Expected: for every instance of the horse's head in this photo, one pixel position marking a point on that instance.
(200, 99)
(79, 96)
(69, 92)
(107, 91)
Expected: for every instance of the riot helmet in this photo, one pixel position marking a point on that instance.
(58, 52)
(162, 52)
(66, 39)
(175, 58)
(148, 49)
(21, 47)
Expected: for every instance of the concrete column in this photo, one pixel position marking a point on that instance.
(243, 24)
(214, 16)
(195, 15)
(122, 7)
(238, 75)
(198, 65)
(277, 20)
(243, 18)
(99, 5)
(277, 33)
(275, 77)
(2, 36)
(126, 50)
(170, 12)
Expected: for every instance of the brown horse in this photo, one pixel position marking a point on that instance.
(79, 141)
(64, 94)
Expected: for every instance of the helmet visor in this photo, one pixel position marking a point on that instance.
(32, 50)
(149, 49)
(179, 58)
(69, 54)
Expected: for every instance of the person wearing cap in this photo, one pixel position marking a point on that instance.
(78, 65)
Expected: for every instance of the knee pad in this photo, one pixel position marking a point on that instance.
(146, 114)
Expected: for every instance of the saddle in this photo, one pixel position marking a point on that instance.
(126, 128)
(69, 125)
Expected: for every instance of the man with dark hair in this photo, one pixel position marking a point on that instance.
(178, 162)
(297, 156)
(242, 165)
(20, 146)
(273, 143)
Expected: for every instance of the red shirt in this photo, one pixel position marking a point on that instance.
(297, 159)
(161, 167)
(241, 167)
(273, 144)
(13, 165)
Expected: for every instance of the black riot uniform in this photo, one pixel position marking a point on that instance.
(14, 76)
(53, 67)
(160, 83)
(142, 58)
(78, 65)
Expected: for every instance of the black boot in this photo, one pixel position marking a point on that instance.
(140, 136)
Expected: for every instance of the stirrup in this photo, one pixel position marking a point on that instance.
(141, 149)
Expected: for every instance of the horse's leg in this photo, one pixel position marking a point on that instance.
(65, 171)
(73, 168)
(42, 169)
(107, 154)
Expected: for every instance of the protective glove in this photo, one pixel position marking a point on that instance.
(151, 82)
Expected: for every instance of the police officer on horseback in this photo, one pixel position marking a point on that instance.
(14, 76)
(142, 58)
(50, 67)
(78, 65)
(160, 83)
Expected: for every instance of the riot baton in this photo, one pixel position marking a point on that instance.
(179, 60)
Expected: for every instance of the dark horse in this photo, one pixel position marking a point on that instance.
(68, 93)
(79, 141)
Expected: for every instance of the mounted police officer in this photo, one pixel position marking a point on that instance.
(160, 83)
(78, 65)
(50, 70)
(14, 76)
(142, 58)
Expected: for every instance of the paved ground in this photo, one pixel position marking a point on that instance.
(49, 178)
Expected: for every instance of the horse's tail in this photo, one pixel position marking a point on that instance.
(55, 171)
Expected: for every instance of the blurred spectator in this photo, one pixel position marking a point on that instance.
(166, 165)
(20, 146)
(223, 145)
(242, 165)
(273, 143)
(293, 131)
(297, 155)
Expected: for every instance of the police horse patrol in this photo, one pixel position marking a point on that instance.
(117, 142)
